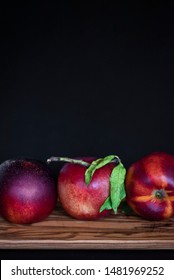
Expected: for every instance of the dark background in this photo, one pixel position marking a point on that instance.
(82, 78)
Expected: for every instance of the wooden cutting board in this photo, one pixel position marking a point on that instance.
(59, 231)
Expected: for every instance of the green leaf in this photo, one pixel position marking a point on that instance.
(117, 186)
(106, 205)
(96, 164)
(117, 190)
(90, 171)
(122, 191)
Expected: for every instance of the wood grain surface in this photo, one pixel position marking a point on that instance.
(59, 231)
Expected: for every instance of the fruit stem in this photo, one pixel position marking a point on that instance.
(70, 160)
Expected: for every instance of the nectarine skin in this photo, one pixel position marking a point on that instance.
(79, 200)
(28, 191)
(149, 186)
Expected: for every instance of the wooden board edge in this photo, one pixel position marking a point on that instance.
(84, 244)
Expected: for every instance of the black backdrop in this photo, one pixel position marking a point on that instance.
(85, 78)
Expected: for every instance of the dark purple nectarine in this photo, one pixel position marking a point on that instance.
(27, 191)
